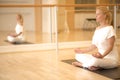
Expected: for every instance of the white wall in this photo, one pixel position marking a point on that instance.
(8, 15)
(118, 19)
(48, 15)
(80, 18)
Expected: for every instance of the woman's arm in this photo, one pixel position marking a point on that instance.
(15, 35)
(110, 45)
(88, 49)
(18, 34)
(109, 49)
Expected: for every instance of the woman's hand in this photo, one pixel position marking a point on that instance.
(13, 35)
(77, 50)
(97, 55)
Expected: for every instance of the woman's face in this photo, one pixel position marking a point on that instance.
(18, 17)
(100, 16)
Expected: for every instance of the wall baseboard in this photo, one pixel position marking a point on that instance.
(45, 46)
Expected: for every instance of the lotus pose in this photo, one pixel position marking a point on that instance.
(103, 40)
(18, 36)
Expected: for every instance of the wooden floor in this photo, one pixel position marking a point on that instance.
(43, 65)
(75, 35)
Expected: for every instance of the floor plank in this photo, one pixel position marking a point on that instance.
(42, 65)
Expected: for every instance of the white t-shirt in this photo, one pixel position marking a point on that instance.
(100, 40)
(19, 29)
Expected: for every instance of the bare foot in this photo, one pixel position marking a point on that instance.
(93, 68)
(77, 64)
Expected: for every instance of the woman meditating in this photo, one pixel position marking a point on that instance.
(18, 36)
(103, 40)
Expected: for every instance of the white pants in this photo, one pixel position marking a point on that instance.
(14, 39)
(88, 60)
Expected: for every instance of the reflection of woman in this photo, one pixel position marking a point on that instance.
(18, 36)
(104, 41)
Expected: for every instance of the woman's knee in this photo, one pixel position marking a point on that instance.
(10, 39)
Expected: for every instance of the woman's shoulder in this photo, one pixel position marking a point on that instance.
(20, 25)
(109, 27)
(106, 27)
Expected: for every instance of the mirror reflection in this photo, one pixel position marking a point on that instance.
(73, 23)
(18, 36)
(14, 22)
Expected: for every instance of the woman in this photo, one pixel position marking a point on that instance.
(18, 36)
(104, 41)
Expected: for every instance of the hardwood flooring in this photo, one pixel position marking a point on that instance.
(43, 65)
(74, 35)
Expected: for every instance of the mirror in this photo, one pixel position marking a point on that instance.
(39, 24)
(78, 24)
(8, 23)
(74, 23)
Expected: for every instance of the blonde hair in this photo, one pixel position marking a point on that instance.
(20, 19)
(107, 12)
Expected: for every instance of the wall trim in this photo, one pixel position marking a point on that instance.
(14, 1)
(45, 46)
